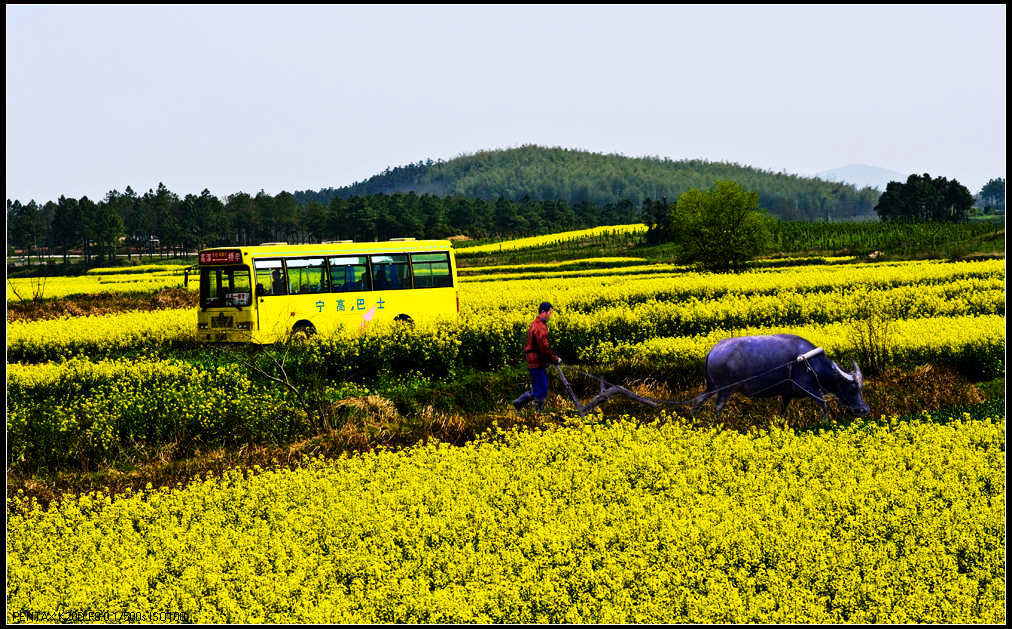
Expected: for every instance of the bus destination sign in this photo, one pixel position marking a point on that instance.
(227, 256)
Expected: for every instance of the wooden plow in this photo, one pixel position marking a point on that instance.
(608, 391)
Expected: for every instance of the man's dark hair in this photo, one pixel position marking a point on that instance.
(544, 307)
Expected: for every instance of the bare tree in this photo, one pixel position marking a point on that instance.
(36, 286)
(278, 364)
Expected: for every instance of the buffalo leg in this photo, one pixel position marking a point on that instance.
(699, 400)
(721, 401)
(784, 401)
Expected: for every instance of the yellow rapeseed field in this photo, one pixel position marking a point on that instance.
(616, 308)
(551, 239)
(900, 522)
(95, 284)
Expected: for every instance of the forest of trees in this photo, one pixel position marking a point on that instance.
(577, 176)
(516, 192)
(992, 196)
(162, 221)
(923, 198)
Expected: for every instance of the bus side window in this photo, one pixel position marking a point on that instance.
(431, 270)
(306, 276)
(379, 276)
(348, 274)
(270, 274)
(391, 272)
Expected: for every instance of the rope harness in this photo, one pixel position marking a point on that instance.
(801, 358)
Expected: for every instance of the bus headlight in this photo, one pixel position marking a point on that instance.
(244, 325)
(201, 326)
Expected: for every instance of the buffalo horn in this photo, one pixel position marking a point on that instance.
(857, 374)
(843, 374)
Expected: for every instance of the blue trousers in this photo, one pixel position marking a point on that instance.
(538, 392)
(539, 383)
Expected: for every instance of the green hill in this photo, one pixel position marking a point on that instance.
(581, 176)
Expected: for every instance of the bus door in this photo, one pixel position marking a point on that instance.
(270, 282)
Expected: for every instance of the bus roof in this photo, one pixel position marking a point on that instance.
(383, 246)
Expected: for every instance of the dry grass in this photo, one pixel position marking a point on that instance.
(100, 304)
(898, 392)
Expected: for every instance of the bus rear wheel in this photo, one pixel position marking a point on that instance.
(303, 330)
(403, 318)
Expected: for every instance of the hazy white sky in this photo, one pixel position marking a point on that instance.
(290, 98)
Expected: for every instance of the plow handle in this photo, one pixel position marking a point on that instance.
(569, 389)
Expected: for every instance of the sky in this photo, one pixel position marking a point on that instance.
(233, 98)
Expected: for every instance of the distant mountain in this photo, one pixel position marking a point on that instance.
(550, 174)
(862, 176)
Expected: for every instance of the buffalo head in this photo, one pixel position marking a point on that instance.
(850, 388)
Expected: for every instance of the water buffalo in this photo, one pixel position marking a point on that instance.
(764, 366)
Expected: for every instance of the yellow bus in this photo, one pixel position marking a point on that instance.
(265, 293)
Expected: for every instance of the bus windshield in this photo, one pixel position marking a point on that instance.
(224, 287)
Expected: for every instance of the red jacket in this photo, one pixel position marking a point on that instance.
(536, 350)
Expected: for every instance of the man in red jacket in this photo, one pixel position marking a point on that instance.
(538, 355)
